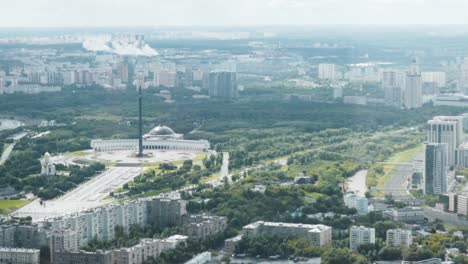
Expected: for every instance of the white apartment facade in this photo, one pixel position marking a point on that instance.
(318, 235)
(462, 207)
(399, 238)
(360, 203)
(327, 71)
(19, 255)
(360, 235)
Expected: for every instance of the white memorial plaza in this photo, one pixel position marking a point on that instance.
(161, 145)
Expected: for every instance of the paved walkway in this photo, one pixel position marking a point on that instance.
(357, 183)
(224, 172)
(6, 153)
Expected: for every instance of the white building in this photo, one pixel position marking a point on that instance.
(141, 253)
(146, 249)
(412, 92)
(360, 235)
(449, 130)
(406, 215)
(203, 226)
(165, 79)
(318, 235)
(360, 203)
(391, 85)
(435, 168)
(100, 223)
(462, 206)
(327, 71)
(222, 84)
(399, 238)
(462, 155)
(438, 78)
(63, 240)
(19, 255)
(160, 137)
(47, 166)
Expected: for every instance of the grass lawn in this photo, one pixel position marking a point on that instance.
(199, 157)
(314, 195)
(150, 164)
(102, 116)
(178, 163)
(406, 155)
(8, 206)
(211, 178)
(110, 164)
(76, 154)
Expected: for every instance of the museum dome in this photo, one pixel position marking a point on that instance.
(162, 131)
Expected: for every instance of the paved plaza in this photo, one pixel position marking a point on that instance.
(90, 194)
(128, 157)
(96, 191)
(6, 124)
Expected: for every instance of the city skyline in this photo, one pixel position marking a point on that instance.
(305, 131)
(54, 13)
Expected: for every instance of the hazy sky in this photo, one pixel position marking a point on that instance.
(56, 13)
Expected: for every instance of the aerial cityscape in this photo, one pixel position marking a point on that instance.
(262, 131)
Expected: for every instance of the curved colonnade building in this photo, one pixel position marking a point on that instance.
(159, 138)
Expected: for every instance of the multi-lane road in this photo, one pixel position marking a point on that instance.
(396, 185)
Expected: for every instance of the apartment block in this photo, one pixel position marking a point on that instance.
(319, 235)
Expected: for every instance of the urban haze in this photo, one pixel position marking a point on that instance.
(221, 131)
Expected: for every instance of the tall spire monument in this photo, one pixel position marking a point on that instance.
(140, 83)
